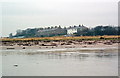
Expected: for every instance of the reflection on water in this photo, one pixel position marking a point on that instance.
(76, 63)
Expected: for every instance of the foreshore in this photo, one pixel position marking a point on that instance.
(68, 45)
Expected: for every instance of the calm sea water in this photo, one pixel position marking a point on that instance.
(73, 63)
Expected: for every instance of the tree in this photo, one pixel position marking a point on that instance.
(48, 28)
(10, 35)
(79, 25)
(59, 27)
(19, 31)
(56, 27)
(52, 27)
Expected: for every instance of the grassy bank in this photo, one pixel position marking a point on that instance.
(63, 38)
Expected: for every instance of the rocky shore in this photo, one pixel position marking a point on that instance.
(60, 44)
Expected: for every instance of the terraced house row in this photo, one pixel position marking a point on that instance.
(49, 32)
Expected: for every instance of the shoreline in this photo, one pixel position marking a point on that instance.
(60, 51)
(70, 45)
(63, 48)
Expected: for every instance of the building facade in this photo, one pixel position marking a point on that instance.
(51, 32)
(72, 30)
(75, 29)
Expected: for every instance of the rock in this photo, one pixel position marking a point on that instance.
(53, 44)
(84, 46)
(62, 43)
(102, 38)
(23, 47)
(10, 48)
(108, 43)
(16, 65)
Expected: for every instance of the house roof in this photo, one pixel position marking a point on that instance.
(47, 30)
(76, 27)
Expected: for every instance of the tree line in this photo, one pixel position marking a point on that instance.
(98, 30)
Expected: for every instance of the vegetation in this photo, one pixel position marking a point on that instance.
(100, 30)
(60, 38)
(58, 31)
(41, 32)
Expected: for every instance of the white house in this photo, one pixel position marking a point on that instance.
(72, 30)
(75, 29)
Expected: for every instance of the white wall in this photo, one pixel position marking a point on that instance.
(71, 31)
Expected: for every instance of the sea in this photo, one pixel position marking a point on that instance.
(36, 62)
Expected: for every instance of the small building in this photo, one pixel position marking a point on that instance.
(72, 30)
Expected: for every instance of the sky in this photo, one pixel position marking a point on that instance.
(19, 14)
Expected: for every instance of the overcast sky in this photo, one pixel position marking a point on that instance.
(43, 13)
